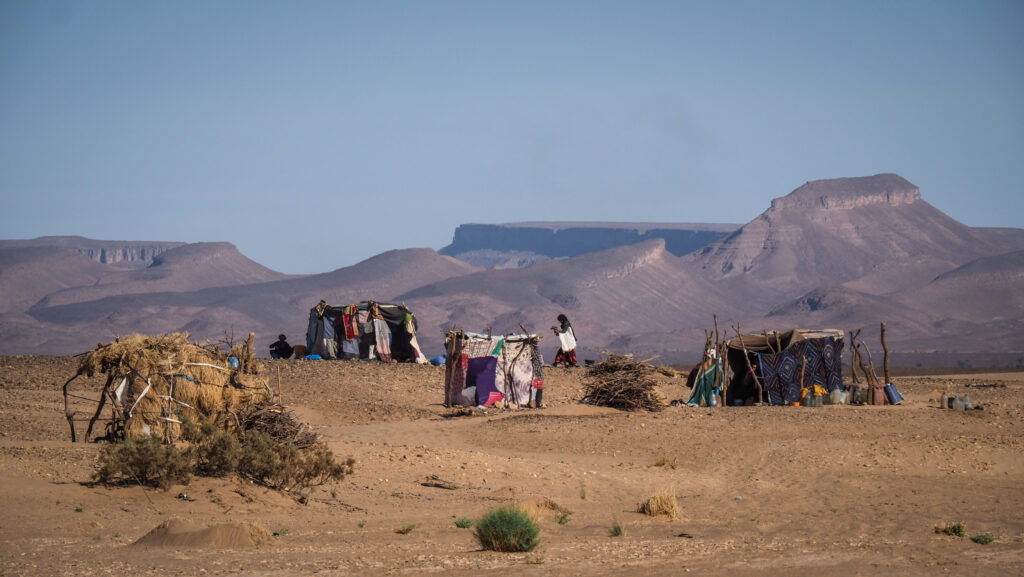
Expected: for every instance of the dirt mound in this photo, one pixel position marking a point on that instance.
(183, 533)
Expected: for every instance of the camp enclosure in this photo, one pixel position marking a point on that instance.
(365, 330)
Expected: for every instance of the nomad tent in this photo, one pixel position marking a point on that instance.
(366, 330)
(783, 363)
(482, 369)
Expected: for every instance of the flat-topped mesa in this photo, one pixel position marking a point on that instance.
(843, 193)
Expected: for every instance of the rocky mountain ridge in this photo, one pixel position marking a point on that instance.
(843, 253)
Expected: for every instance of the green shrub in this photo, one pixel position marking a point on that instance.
(563, 518)
(218, 454)
(958, 529)
(147, 461)
(983, 538)
(507, 529)
(285, 467)
(405, 529)
(616, 530)
(463, 522)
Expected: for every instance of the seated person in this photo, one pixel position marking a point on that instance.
(280, 349)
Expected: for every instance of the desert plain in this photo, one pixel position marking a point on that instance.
(835, 490)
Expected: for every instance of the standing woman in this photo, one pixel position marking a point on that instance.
(566, 342)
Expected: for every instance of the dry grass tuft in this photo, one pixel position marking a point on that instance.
(661, 503)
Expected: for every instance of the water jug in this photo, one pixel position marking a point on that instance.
(958, 404)
(835, 397)
(968, 405)
(944, 401)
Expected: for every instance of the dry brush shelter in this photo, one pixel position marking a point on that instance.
(365, 330)
(784, 363)
(155, 383)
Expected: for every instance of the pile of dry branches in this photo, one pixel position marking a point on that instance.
(623, 383)
(275, 420)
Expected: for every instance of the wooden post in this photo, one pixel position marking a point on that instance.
(67, 407)
(99, 406)
(885, 362)
(746, 356)
(853, 358)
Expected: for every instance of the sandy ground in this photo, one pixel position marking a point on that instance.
(763, 490)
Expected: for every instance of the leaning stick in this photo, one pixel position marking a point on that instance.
(67, 408)
(885, 363)
(853, 357)
(99, 406)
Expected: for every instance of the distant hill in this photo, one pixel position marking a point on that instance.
(844, 253)
(873, 234)
(122, 254)
(266, 307)
(515, 245)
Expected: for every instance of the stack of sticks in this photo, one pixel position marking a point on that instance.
(624, 383)
(275, 420)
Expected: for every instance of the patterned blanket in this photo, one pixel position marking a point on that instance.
(821, 360)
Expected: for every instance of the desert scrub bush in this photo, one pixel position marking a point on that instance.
(147, 461)
(958, 529)
(563, 518)
(616, 530)
(463, 522)
(285, 467)
(405, 529)
(983, 538)
(665, 461)
(217, 452)
(508, 529)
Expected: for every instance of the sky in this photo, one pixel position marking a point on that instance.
(313, 135)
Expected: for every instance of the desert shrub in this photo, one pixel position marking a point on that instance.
(563, 518)
(217, 452)
(665, 461)
(616, 530)
(958, 529)
(983, 538)
(285, 467)
(405, 529)
(463, 522)
(662, 503)
(147, 461)
(507, 529)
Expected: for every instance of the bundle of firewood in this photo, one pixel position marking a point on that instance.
(622, 382)
(276, 421)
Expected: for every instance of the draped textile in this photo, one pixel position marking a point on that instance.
(819, 360)
(383, 334)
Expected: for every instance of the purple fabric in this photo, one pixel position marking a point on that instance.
(481, 374)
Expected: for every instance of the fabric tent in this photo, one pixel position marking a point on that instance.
(365, 330)
(484, 369)
(786, 360)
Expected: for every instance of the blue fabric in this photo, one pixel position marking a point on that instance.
(823, 367)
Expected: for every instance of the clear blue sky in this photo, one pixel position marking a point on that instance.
(316, 134)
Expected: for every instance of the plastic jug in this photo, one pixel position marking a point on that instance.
(958, 404)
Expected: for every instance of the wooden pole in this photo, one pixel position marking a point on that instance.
(99, 406)
(853, 357)
(67, 408)
(885, 362)
(746, 356)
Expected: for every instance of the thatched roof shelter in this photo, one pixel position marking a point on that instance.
(155, 382)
